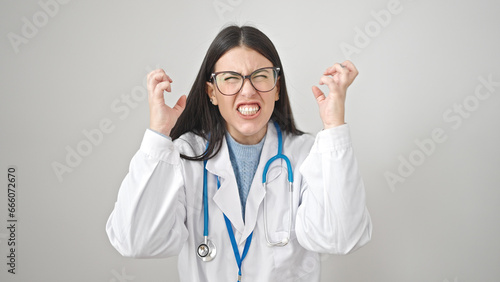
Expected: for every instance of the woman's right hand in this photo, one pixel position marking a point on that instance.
(162, 118)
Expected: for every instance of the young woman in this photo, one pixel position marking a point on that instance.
(227, 182)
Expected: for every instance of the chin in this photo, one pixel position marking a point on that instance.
(249, 129)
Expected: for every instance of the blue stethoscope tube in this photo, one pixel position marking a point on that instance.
(207, 250)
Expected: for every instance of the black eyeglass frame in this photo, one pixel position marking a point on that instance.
(275, 69)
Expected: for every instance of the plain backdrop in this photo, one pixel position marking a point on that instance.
(424, 116)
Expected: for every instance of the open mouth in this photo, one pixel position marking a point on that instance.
(248, 110)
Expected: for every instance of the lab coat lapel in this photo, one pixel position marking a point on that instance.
(227, 197)
(257, 192)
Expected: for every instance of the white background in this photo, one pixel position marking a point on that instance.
(80, 61)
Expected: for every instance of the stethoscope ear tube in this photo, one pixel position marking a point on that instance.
(279, 155)
(285, 240)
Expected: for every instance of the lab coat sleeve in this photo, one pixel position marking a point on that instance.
(148, 219)
(332, 216)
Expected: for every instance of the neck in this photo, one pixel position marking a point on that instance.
(250, 139)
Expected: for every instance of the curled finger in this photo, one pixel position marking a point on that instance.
(336, 68)
(350, 66)
(155, 77)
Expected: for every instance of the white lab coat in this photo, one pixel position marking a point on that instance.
(159, 210)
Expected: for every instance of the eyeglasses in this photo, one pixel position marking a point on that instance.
(229, 82)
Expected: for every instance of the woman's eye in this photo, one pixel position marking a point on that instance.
(260, 77)
(230, 78)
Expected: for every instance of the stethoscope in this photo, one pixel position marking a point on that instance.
(207, 251)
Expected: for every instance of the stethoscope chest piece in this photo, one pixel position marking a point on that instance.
(206, 251)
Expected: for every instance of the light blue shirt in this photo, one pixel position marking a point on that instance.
(245, 160)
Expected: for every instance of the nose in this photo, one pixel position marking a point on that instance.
(247, 89)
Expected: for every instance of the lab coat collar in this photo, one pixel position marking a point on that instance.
(227, 197)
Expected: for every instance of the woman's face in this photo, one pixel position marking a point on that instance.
(248, 112)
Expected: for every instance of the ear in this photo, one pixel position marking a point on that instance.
(277, 95)
(210, 89)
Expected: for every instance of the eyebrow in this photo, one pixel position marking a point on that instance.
(244, 74)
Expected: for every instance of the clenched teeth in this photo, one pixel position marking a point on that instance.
(248, 110)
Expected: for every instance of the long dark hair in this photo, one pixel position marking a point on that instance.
(202, 118)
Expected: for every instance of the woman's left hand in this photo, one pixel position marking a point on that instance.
(331, 108)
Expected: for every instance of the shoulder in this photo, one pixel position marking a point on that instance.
(190, 144)
(298, 144)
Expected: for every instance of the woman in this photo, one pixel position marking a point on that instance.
(195, 188)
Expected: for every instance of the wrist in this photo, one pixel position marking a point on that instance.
(333, 124)
(160, 130)
(335, 118)
(161, 134)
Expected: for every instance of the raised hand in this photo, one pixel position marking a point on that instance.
(162, 118)
(332, 107)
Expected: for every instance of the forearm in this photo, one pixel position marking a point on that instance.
(332, 217)
(148, 217)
